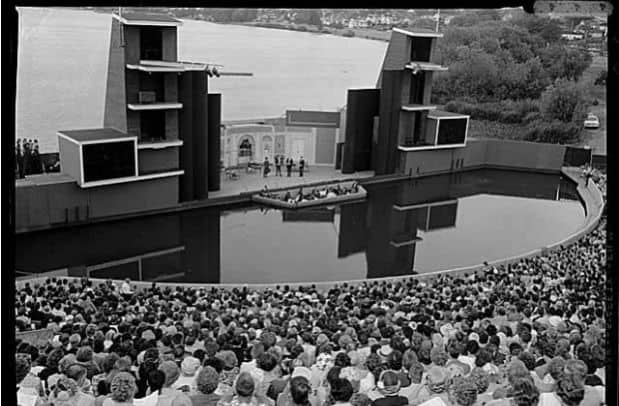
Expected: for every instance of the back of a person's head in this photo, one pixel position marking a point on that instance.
(525, 393)
(216, 363)
(342, 360)
(245, 384)
(408, 358)
(555, 367)
(207, 380)
(528, 359)
(481, 379)
(76, 372)
(84, 354)
(171, 371)
(123, 387)
(268, 339)
(454, 348)
(333, 374)
(123, 363)
(300, 390)
(472, 347)
(155, 379)
(256, 350)
(341, 390)
(266, 361)
(394, 360)
(372, 362)
(462, 391)
(389, 379)
(438, 356)
(575, 368)
(415, 372)
(570, 389)
(22, 366)
(483, 357)
(54, 357)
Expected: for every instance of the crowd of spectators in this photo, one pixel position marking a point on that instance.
(529, 333)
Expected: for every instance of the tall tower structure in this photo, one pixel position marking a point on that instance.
(387, 126)
(162, 101)
(161, 128)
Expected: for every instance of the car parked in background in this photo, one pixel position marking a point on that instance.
(592, 121)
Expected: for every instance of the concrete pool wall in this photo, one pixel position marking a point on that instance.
(591, 199)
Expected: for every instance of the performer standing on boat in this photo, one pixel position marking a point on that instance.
(301, 166)
(266, 168)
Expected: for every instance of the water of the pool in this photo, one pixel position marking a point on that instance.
(405, 227)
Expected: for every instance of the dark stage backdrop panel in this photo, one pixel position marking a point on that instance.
(362, 106)
(108, 160)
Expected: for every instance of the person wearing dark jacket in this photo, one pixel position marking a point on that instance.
(289, 164)
(267, 167)
(278, 165)
(301, 166)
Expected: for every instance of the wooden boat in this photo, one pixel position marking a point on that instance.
(276, 199)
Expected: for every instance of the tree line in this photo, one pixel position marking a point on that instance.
(517, 71)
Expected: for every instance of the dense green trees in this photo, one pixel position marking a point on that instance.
(564, 101)
(495, 60)
(311, 17)
(514, 72)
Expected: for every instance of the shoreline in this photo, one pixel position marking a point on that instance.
(363, 33)
(367, 33)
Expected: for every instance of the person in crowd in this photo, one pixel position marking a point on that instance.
(206, 384)
(29, 391)
(230, 368)
(435, 386)
(122, 390)
(388, 387)
(298, 392)
(462, 391)
(187, 380)
(168, 396)
(245, 393)
(341, 392)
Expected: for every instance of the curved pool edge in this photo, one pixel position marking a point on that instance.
(590, 195)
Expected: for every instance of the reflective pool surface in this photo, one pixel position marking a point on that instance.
(422, 225)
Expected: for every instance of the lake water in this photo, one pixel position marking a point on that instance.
(62, 68)
(434, 223)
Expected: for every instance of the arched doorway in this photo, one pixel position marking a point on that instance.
(246, 149)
